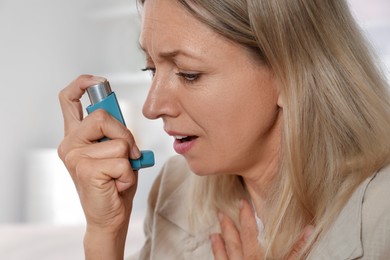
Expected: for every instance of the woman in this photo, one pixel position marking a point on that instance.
(282, 121)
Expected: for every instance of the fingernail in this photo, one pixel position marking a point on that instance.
(241, 204)
(98, 79)
(308, 232)
(136, 152)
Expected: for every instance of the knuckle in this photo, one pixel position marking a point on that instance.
(61, 151)
(234, 246)
(81, 77)
(128, 135)
(122, 147)
(61, 94)
(71, 159)
(126, 170)
(125, 164)
(99, 115)
(82, 170)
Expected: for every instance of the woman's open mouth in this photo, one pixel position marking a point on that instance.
(183, 139)
(183, 144)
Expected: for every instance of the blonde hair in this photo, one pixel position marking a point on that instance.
(336, 111)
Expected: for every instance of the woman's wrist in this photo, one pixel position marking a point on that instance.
(104, 244)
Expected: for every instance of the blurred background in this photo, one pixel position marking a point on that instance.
(44, 44)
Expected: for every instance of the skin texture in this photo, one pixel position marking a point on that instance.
(104, 180)
(231, 104)
(203, 85)
(235, 244)
(232, 107)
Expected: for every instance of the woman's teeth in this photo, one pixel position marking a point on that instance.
(179, 137)
(184, 138)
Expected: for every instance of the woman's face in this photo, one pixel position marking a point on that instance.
(216, 100)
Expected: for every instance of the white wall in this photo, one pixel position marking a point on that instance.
(46, 43)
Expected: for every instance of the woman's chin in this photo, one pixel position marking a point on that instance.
(202, 169)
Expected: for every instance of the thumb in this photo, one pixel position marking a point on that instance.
(126, 181)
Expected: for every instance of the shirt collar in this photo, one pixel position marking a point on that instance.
(343, 239)
(176, 208)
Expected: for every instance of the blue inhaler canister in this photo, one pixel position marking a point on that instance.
(102, 97)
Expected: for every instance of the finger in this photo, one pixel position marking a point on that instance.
(218, 247)
(299, 246)
(231, 237)
(115, 148)
(105, 174)
(128, 194)
(249, 232)
(70, 100)
(100, 124)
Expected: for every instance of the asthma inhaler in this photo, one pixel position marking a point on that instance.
(102, 97)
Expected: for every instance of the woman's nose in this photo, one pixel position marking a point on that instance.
(161, 101)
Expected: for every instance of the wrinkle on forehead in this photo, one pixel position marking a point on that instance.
(167, 27)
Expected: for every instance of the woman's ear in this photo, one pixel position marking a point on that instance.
(278, 84)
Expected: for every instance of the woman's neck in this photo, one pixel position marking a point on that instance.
(259, 179)
(258, 187)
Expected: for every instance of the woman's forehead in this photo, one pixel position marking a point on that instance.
(168, 27)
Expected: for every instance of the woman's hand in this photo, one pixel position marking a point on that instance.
(233, 244)
(101, 171)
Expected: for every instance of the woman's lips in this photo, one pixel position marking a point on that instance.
(183, 144)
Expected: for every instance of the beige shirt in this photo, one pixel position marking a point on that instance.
(361, 231)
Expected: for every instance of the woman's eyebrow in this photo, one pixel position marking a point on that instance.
(171, 54)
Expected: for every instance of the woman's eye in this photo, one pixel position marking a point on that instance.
(189, 77)
(151, 70)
